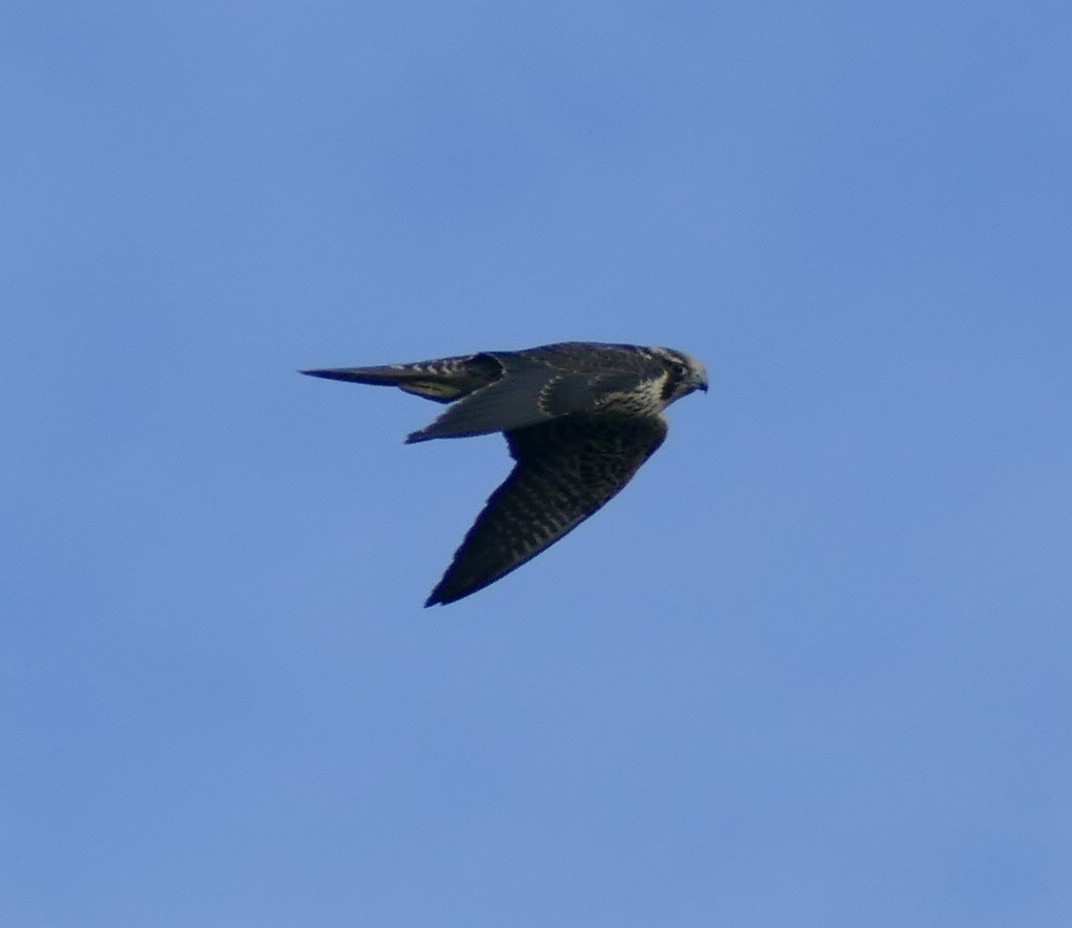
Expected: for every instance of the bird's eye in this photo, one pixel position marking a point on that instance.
(679, 369)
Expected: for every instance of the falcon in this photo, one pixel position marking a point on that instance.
(580, 418)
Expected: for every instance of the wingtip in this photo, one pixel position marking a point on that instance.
(442, 595)
(435, 598)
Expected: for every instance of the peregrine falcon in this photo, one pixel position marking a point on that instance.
(579, 419)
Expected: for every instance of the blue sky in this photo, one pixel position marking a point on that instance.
(810, 668)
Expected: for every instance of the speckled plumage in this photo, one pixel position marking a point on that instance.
(579, 417)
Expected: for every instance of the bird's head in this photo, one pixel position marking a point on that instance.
(686, 374)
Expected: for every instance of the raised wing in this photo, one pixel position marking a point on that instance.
(443, 380)
(506, 390)
(567, 468)
(524, 396)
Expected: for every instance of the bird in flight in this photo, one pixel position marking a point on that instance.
(580, 418)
